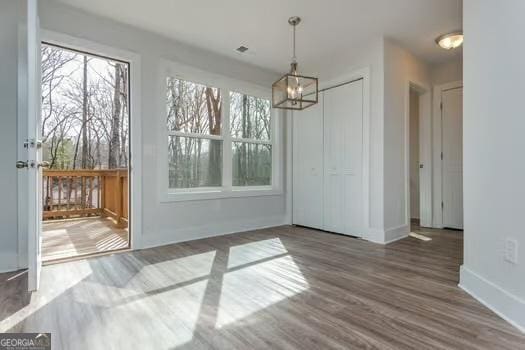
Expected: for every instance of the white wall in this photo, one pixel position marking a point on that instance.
(400, 68)
(448, 71)
(494, 166)
(414, 154)
(162, 223)
(10, 12)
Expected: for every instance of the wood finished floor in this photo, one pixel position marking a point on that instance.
(279, 288)
(62, 239)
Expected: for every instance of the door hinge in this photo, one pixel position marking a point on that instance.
(32, 143)
(441, 155)
(441, 106)
(442, 205)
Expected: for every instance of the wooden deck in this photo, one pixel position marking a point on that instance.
(62, 239)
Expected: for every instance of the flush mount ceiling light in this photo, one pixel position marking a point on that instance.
(451, 40)
(294, 91)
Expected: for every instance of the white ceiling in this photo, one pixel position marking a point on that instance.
(329, 28)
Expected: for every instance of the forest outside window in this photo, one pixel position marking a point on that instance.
(195, 140)
(250, 126)
(220, 139)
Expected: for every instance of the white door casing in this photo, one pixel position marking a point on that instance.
(34, 150)
(452, 162)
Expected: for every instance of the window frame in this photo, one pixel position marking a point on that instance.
(226, 85)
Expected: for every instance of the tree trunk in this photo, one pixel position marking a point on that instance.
(84, 154)
(213, 105)
(123, 160)
(114, 143)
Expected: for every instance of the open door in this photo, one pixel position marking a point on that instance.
(33, 164)
(452, 163)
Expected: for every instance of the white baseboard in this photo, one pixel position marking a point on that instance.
(506, 305)
(208, 230)
(387, 236)
(375, 235)
(8, 262)
(396, 233)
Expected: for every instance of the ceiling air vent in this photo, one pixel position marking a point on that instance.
(241, 49)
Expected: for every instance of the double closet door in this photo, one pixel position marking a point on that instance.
(328, 162)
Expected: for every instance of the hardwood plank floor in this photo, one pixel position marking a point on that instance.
(62, 239)
(280, 288)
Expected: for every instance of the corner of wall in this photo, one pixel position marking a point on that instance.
(506, 305)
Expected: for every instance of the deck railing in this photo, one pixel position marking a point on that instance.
(80, 193)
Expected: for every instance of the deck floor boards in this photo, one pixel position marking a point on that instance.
(62, 239)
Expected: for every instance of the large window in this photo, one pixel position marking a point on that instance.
(195, 135)
(219, 140)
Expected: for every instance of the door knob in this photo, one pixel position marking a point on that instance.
(21, 164)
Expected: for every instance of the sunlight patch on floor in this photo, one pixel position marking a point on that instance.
(256, 287)
(420, 236)
(176, 320)
(254, 251)
(54, 284)
(170, 273)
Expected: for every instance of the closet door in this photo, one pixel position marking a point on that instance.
(343, 148)
(308, 166)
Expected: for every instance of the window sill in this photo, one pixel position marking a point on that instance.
(212, 194)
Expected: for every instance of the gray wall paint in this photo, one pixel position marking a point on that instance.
(174, 221)
(493, 162)
(447, 72)
(400, 67)
(9, 12)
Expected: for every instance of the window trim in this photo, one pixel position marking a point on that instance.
(226, 85)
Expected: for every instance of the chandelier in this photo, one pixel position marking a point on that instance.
(292, 90)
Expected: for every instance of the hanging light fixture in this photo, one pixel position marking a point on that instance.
(451, 40)
(294, 91)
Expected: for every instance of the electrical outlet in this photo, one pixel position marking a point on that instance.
(511, 250)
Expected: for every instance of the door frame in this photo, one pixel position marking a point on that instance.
(425, 152)
(135, 127)
(437, 126)
(22, 128)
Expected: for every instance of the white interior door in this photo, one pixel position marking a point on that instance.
(343, 148)
(353, 157)
(334, 133)
(452, 123)
(34, 150)
(308, 166)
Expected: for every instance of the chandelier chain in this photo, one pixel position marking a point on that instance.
(294, 58)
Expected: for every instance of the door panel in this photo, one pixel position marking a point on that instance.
(334, 207)
(353, 159)
(453, 158)
(308, 166)
(343, 124)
